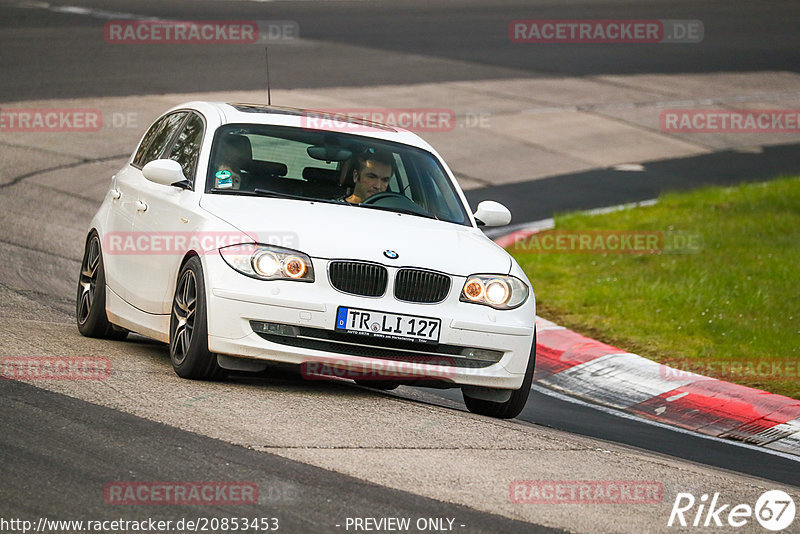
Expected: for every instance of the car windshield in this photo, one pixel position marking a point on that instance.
(303, 164)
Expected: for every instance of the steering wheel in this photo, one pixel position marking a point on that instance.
(397, 201)
(377, 197)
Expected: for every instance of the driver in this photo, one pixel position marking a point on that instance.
(372, 173)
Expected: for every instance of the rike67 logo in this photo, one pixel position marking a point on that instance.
(774, 510)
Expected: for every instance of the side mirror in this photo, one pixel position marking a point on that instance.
(491, 213)
(165, 172)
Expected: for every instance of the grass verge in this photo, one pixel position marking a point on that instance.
(720, 295)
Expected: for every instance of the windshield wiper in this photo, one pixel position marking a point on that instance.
(398, 210)
(232, 191)
(278, 194)
(269, 193)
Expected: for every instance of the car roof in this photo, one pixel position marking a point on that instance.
(337, 122)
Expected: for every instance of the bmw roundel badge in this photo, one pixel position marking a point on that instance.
(391, 254)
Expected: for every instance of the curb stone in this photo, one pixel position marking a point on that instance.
(581, 367)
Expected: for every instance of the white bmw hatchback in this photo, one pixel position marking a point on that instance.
(244, 234)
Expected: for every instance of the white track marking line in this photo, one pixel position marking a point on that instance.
(84, 11)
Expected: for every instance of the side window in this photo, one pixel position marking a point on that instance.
(157, 138)
(146, 140)
(186, 149)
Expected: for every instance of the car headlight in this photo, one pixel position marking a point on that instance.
(498, 291)
(267, 262)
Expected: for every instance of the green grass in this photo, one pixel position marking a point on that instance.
(731, 309)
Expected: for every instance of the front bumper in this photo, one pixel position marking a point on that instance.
(243, 312)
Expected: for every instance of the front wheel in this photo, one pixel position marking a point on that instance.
(90, 303)
(514, 405)
(188, 327)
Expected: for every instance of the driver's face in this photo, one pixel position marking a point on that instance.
(372, 178)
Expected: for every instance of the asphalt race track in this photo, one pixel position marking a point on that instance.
(101, 442)
(45, 56)
(322, 453)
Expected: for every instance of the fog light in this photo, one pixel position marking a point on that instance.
(486, 355)
(276, 329)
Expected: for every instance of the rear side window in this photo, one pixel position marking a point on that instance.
(157, 137)
(186, 149)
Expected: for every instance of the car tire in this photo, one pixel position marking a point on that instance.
(188, 327)
(513, 406)
(90, 302)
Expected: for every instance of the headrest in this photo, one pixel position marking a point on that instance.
(235, 147)
(316, 174)
(267, 168)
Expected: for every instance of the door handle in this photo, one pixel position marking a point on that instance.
(141, 206)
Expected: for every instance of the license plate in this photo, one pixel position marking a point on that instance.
(388, 325)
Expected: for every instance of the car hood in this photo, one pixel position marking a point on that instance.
(331, 231)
